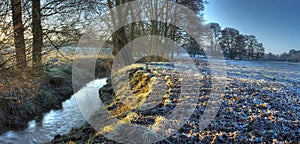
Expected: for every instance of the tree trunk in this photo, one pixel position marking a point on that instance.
(18, 27)
(37, 35)
(119, 38)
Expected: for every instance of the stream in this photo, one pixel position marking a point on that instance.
(54, 122)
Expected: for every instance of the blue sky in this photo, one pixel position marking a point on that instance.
(275, 23)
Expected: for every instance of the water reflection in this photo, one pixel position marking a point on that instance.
(52, 123)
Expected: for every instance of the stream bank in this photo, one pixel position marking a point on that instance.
(54, 122)
(54, 87)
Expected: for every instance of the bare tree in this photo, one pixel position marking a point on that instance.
(216, 33)
(37, 34)
(18, 27)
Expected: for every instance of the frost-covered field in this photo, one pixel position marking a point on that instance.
(285, 73)
(261, 103)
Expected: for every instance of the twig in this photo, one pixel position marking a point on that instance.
(56, 47)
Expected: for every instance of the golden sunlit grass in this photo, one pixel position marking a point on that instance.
(132, 95)
(158, 123)
(115, 126)
(71, 142)
(69, 57)
(107, 129)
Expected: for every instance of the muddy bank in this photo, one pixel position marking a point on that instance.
(253, 110)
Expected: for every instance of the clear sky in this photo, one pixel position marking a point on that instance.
(275, 23)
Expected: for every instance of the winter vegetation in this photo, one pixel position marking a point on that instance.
(38, 42)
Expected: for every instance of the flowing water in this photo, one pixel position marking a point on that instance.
(54, 122)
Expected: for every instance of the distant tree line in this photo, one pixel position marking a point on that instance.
(291, 56)
(233, 44)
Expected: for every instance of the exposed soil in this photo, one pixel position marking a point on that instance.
(252, 111)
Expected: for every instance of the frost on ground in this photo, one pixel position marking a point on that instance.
(261, 104)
